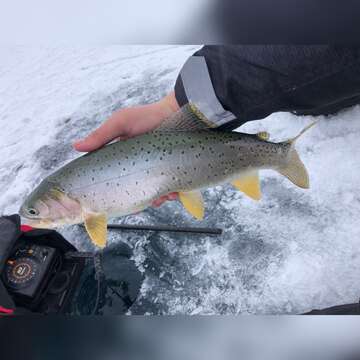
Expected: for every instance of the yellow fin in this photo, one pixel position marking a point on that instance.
(96, 226)
(295, 170)
(193, 202)
(249, 184)
(263, 135)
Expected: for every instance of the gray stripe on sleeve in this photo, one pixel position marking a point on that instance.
(200, 91)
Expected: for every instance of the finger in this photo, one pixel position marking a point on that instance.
(113, 128)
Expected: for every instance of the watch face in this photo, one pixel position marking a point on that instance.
(21, 272)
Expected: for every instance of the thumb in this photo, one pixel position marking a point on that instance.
(108, 131)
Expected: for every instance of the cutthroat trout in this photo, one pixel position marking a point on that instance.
(182, 156)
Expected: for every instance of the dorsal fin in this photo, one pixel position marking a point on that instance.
(188, 118)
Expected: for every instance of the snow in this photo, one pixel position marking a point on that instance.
(293, 251)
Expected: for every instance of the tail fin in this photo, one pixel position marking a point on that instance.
(293, 140)
(295, 170)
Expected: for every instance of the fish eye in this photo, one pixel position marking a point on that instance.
(33, 211)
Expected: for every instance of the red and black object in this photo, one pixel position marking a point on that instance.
(36, 276)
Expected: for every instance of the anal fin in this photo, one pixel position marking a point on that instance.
(193, 202)
(249, 184)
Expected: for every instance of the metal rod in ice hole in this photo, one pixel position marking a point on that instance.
(166, 228)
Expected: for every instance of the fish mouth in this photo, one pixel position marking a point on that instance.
(36, 222)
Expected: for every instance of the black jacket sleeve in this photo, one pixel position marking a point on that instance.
(251, 82)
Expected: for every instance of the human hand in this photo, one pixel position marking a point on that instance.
(130, 122)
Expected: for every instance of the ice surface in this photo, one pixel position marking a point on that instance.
(293, 251)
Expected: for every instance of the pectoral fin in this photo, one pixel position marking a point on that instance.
(193, 202)
(96, 227)
(249, 184)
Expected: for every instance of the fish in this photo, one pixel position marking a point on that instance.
(184, 155)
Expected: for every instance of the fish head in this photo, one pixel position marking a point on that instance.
(48, 206)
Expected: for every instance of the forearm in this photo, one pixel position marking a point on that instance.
(251, 82)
